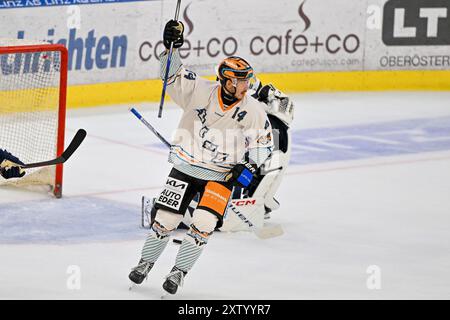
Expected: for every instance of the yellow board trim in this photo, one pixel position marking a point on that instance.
(150, 90)
(29, 100)
(360, 81)
(130, 92)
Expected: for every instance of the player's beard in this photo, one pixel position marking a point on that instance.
(241, 96)
(234, 95)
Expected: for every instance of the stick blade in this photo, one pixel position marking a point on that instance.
(74, 144)
(268, 232)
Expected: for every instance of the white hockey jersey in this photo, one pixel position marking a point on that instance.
(211, 138)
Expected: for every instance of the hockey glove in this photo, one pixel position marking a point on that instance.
(268, 93)
(280, 105)
(265, 94)
(173, 32)
(9, 167)
(242, 174)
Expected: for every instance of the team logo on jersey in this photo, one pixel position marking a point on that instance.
(203, 131)
(201, 113)
(208, 145)
(173, 193)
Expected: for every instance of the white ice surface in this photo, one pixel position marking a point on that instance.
(339, 217)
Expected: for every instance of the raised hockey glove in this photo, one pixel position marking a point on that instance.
(9, 168)
(173, 32)
(242, 174)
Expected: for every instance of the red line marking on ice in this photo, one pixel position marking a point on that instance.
(93, 194)
(127, 144)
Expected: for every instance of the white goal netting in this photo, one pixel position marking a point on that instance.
(30, 107)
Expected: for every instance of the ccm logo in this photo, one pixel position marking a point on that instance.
(239, 203)
(416, 22)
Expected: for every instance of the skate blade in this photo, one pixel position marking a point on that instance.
(165, 295)
(132, 286)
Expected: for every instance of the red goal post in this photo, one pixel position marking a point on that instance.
(33, 90)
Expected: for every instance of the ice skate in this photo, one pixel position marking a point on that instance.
(139, 273)
(174, 280)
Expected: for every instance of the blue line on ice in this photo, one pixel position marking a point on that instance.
(370, 140)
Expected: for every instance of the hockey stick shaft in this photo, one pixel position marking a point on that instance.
(74, 144)
(169, 61)
(148, 125)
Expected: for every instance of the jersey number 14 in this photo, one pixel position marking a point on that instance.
(239, 115)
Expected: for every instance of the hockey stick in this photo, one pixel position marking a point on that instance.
(262, 233)
(169, 60)
(74, 144)
(148, 125)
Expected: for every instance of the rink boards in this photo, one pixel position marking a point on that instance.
(300, 46)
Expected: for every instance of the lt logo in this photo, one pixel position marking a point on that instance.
(416, 22)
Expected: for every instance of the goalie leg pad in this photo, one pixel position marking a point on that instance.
(271, 181)
(244, 214)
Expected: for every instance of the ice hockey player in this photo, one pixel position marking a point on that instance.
(261, 195)
(223, 136)
(9, 165)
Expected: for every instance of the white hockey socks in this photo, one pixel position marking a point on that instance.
(158, 238)
(191, 248)
(155, 243)
(195, 240)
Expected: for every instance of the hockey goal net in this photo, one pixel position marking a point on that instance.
(33, 84)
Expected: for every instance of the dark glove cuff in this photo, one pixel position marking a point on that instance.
(263, 93)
